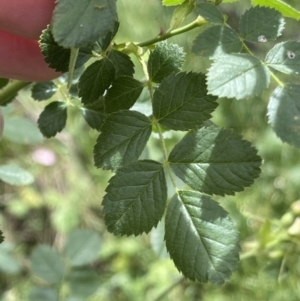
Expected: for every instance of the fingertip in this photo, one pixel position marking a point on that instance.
(21, 59)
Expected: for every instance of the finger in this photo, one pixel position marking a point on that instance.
(21, 58)
(26, 18)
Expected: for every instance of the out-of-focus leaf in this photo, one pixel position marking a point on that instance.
(217, 40)
(47, 264)
(261, 24)
(284, 113)
(21, 130)
(15, 175)
(285, 57)
(82, 247)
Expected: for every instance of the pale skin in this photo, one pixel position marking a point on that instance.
(21, 23)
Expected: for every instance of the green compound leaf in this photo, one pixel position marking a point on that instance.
(122, 62)
(83, 282)
(58, 57)
(209, 12)
(53, 119)
(47, 264)
(261, 24)
(172, 2)
(15, 175)
(43, 91)
(164, 60)
(43, 294)
(82, 247)
(77, 25)
(283, 7)
(215, 161)
(122, 94)
(285, 57)
(217, 40)
(94, 114)
(136, 198)
(237, 76)
(95, 80)
(123, 137)
(201, 238)
(181, 101)
(284, 113)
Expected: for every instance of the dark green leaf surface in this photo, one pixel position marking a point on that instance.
(217, 40)
(261, 24)
(164, 60)
(209, 12)
(3, 82)
(15, 175)
(43, 90)
(95, 80)
(181, 101)
(105, 42)
(47, 264)
(284, 113)
(22, 130)
(136, 198)
(122, 62)
(77, 25)
(201, 238)
(93, 118)
(237, 76)
(123, 137)
(83, 282)
(53, 119)
(122, 94)
(82, 247)
(215, 161)
(58, 57)
(43, 294)
(285, 57)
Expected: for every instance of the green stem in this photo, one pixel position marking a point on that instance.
(11, 90)
(72, 63)
(197, 23)
(169, 289)
(276, 78)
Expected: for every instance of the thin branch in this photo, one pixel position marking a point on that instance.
(11, 90)
(169, 289)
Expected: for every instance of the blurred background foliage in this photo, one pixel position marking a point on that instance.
(68, 190)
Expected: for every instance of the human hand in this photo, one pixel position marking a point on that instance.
(21, 23)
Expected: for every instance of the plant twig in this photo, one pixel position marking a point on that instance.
(197, 23)
(11, 89)
(169, 289)
(72, 63)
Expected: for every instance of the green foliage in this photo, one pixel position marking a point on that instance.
(136, 198)
(15, 175)
(53, 119)
(181, 102)
(71, 267)
(3, 82)
(284, 113)
(286, 9)
(218, 161)
(164, 60)
(199, 235)
(75, 26)
(201, 238)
